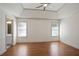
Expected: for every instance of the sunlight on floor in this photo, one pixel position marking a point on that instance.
(54, 49)
(22, 50)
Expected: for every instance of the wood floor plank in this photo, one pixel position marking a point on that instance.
(42, 49)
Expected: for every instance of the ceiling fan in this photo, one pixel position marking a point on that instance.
(44, 5)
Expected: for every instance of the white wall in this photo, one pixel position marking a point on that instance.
(38, 31)
(39, 25)
(68, 9)
(69, 27)
(2, 32)
(3, 18)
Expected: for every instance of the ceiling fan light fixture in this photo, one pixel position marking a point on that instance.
(45, 5)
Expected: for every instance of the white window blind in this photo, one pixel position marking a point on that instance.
(55, 29)
(22, 28)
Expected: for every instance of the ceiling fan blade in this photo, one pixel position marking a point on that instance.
(39, 6)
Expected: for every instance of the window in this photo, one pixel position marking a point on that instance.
(55, 30)
(22, 28)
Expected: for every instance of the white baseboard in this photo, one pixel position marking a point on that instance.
(1, 52)
(70, 45)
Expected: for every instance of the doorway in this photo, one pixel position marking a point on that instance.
(9, 33)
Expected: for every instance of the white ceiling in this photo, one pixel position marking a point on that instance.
(17, 9)
(51, 7)
(12, 8)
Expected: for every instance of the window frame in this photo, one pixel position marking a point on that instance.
(26, 28)
(58, 29)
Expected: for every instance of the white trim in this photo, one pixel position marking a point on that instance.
(37, 18)
(1, 52)
(69, 44)
(39, 10)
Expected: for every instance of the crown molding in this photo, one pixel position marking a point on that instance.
(39, 10)
(37, 18)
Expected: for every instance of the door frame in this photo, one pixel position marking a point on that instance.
(7, 19)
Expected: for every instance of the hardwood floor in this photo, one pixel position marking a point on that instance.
(42, 49)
